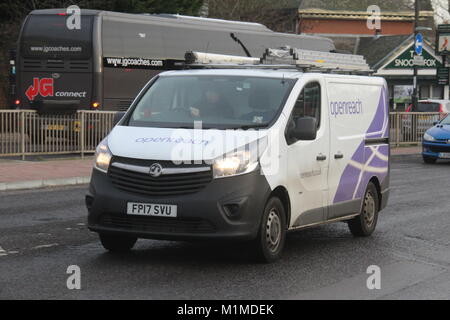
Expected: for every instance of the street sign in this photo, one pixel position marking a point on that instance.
(419, 61)
(419, 44)
(443, 40)
(443, 75)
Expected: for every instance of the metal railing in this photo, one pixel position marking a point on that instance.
(408, 128)
(25, 132)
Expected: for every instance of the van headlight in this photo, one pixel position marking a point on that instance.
(102, 156)
(428, 137)
(236, 163)
(241, 161)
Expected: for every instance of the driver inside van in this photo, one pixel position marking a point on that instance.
(259, 102)
(213, 104)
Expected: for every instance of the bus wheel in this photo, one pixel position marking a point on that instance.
(116, 243)
(269, 243)
(364, 224)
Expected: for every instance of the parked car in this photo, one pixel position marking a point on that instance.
(436, 142)
(431, 105)
(415, 125)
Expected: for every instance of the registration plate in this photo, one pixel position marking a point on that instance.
(444, 155)
(150, 209)
(55, 127)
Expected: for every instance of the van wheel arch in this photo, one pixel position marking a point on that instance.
(282, 194)
(377, 184)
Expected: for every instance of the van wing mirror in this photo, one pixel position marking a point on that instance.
(305, 129)
(117, 117)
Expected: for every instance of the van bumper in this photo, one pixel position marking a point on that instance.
(202, 215)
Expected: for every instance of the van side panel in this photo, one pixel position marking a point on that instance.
(362, 137)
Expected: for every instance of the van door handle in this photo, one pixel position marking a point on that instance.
(321, 157)
(339, 156)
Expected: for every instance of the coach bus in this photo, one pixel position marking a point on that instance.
(104, 62)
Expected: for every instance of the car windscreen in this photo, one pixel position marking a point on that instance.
(446, 120)
(427, 107)
(49, 36)
(216, 101)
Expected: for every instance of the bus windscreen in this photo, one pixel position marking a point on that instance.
(49, 36)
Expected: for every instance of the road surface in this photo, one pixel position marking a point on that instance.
(42, 232)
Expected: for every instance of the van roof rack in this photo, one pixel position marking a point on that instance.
(283, 58)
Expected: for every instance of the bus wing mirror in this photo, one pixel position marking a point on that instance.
(305, 129)
(117, 117)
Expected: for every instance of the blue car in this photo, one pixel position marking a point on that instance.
(436, 142)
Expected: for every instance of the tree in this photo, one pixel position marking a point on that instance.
(277, 15)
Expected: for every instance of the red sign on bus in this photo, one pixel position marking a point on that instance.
(43, 87)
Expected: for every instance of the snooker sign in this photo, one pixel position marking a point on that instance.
(405, 60)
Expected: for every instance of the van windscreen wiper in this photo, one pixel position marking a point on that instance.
(253, 126)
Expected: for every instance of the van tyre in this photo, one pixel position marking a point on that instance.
(429, 160)
(364, 224)
(116, 243)
(269, 243)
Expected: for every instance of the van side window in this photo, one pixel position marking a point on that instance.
(308, 104)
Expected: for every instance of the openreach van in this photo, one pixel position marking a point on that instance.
(242, 149)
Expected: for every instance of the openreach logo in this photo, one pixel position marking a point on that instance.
(210, 146)
(338, 108)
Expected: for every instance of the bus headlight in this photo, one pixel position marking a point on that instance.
(102, 156)
(428, 137)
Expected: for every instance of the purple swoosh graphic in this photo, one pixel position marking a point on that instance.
(367, 161)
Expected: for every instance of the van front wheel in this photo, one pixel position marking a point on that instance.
(364, 224)
(269, 243)
(116, 243)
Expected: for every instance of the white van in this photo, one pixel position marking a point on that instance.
(243, 154)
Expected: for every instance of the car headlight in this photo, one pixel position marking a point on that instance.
(103, 156)
(428, 137)
(241, 161)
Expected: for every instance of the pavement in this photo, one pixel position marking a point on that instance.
(17, 175)
(43, 232)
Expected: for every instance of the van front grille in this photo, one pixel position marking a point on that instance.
(165, 185)
(156, 224)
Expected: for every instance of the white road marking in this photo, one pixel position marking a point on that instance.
(3, 252)
(45, 246)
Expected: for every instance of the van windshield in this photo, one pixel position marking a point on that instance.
(220, 102)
